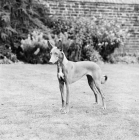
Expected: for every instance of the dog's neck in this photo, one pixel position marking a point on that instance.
(61, 65)
(63, 61)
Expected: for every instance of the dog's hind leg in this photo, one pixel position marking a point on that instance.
(92, 86)
(98, 86)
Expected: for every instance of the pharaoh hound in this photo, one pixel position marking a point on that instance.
(69, 72)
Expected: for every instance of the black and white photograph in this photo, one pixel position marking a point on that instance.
(69, 69)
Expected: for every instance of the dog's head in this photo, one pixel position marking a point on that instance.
(56, 54)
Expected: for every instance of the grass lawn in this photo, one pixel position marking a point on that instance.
(30, 102)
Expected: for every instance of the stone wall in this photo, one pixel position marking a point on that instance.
(124, 10)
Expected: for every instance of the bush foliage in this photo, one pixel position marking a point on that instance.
(17, 19)
(35, 48)
(82, 38)
(98, 34)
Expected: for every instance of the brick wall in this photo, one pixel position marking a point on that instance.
(124, 10)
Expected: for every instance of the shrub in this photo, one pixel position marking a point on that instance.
(35, 48)
(127, 58)
(100, 34)
(18, 18)
(59, 25)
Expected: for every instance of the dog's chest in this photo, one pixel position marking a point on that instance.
(60, 74)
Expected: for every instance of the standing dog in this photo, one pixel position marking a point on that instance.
(69, 72)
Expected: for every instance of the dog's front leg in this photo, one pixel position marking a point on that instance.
(61, 87)
(67, 98)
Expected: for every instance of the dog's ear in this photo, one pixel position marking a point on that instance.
(60, 45)
(50, 44)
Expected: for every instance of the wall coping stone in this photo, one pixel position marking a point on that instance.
(101, 1)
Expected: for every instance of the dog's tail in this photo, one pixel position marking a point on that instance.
(104, 79)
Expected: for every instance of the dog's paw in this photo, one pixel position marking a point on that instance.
(62, 109)
(95, 103)
(104, 107)
(65, 111)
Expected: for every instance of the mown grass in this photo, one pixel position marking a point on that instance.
(30, 102)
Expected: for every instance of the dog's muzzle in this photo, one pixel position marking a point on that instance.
(52, 60)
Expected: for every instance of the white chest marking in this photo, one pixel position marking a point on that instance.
(60, 74)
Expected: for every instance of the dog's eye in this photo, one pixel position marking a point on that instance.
(56, 53)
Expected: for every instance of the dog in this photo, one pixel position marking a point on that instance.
(69, 72)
